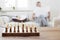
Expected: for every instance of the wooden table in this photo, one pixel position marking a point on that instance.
(46, 33)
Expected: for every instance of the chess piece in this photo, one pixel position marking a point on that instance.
(22, 27)
(18, 28)
(10, 29)
(14, 29)
(26, 29)
(6, 30)
(30, 29)
(35, 29)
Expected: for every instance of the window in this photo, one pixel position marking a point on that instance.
(9, 3)
(22, 3)
(16, 3)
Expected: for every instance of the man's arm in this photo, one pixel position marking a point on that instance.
(33, 16)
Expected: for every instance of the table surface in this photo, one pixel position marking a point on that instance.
(46, 33)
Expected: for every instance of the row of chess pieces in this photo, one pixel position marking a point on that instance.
(21, 29)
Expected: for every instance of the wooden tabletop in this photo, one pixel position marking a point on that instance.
(46, 33)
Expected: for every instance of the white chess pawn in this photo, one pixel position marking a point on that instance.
(37, 29)
(28, 28)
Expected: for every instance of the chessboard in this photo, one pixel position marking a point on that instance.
(20, 30)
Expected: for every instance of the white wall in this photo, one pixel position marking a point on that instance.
(54, 5)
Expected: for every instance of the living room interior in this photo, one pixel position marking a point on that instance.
(16, 21)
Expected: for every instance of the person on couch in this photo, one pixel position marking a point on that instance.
(41, 14)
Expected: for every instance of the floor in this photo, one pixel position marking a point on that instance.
(46, 33)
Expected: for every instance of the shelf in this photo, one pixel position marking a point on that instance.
(16, 11)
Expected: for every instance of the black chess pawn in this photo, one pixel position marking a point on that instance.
(22, 25)
(18, 28)
(14, 29)
(35, 29)
(23, 28)
(26, 29)
(6, 29)
(30, 29)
